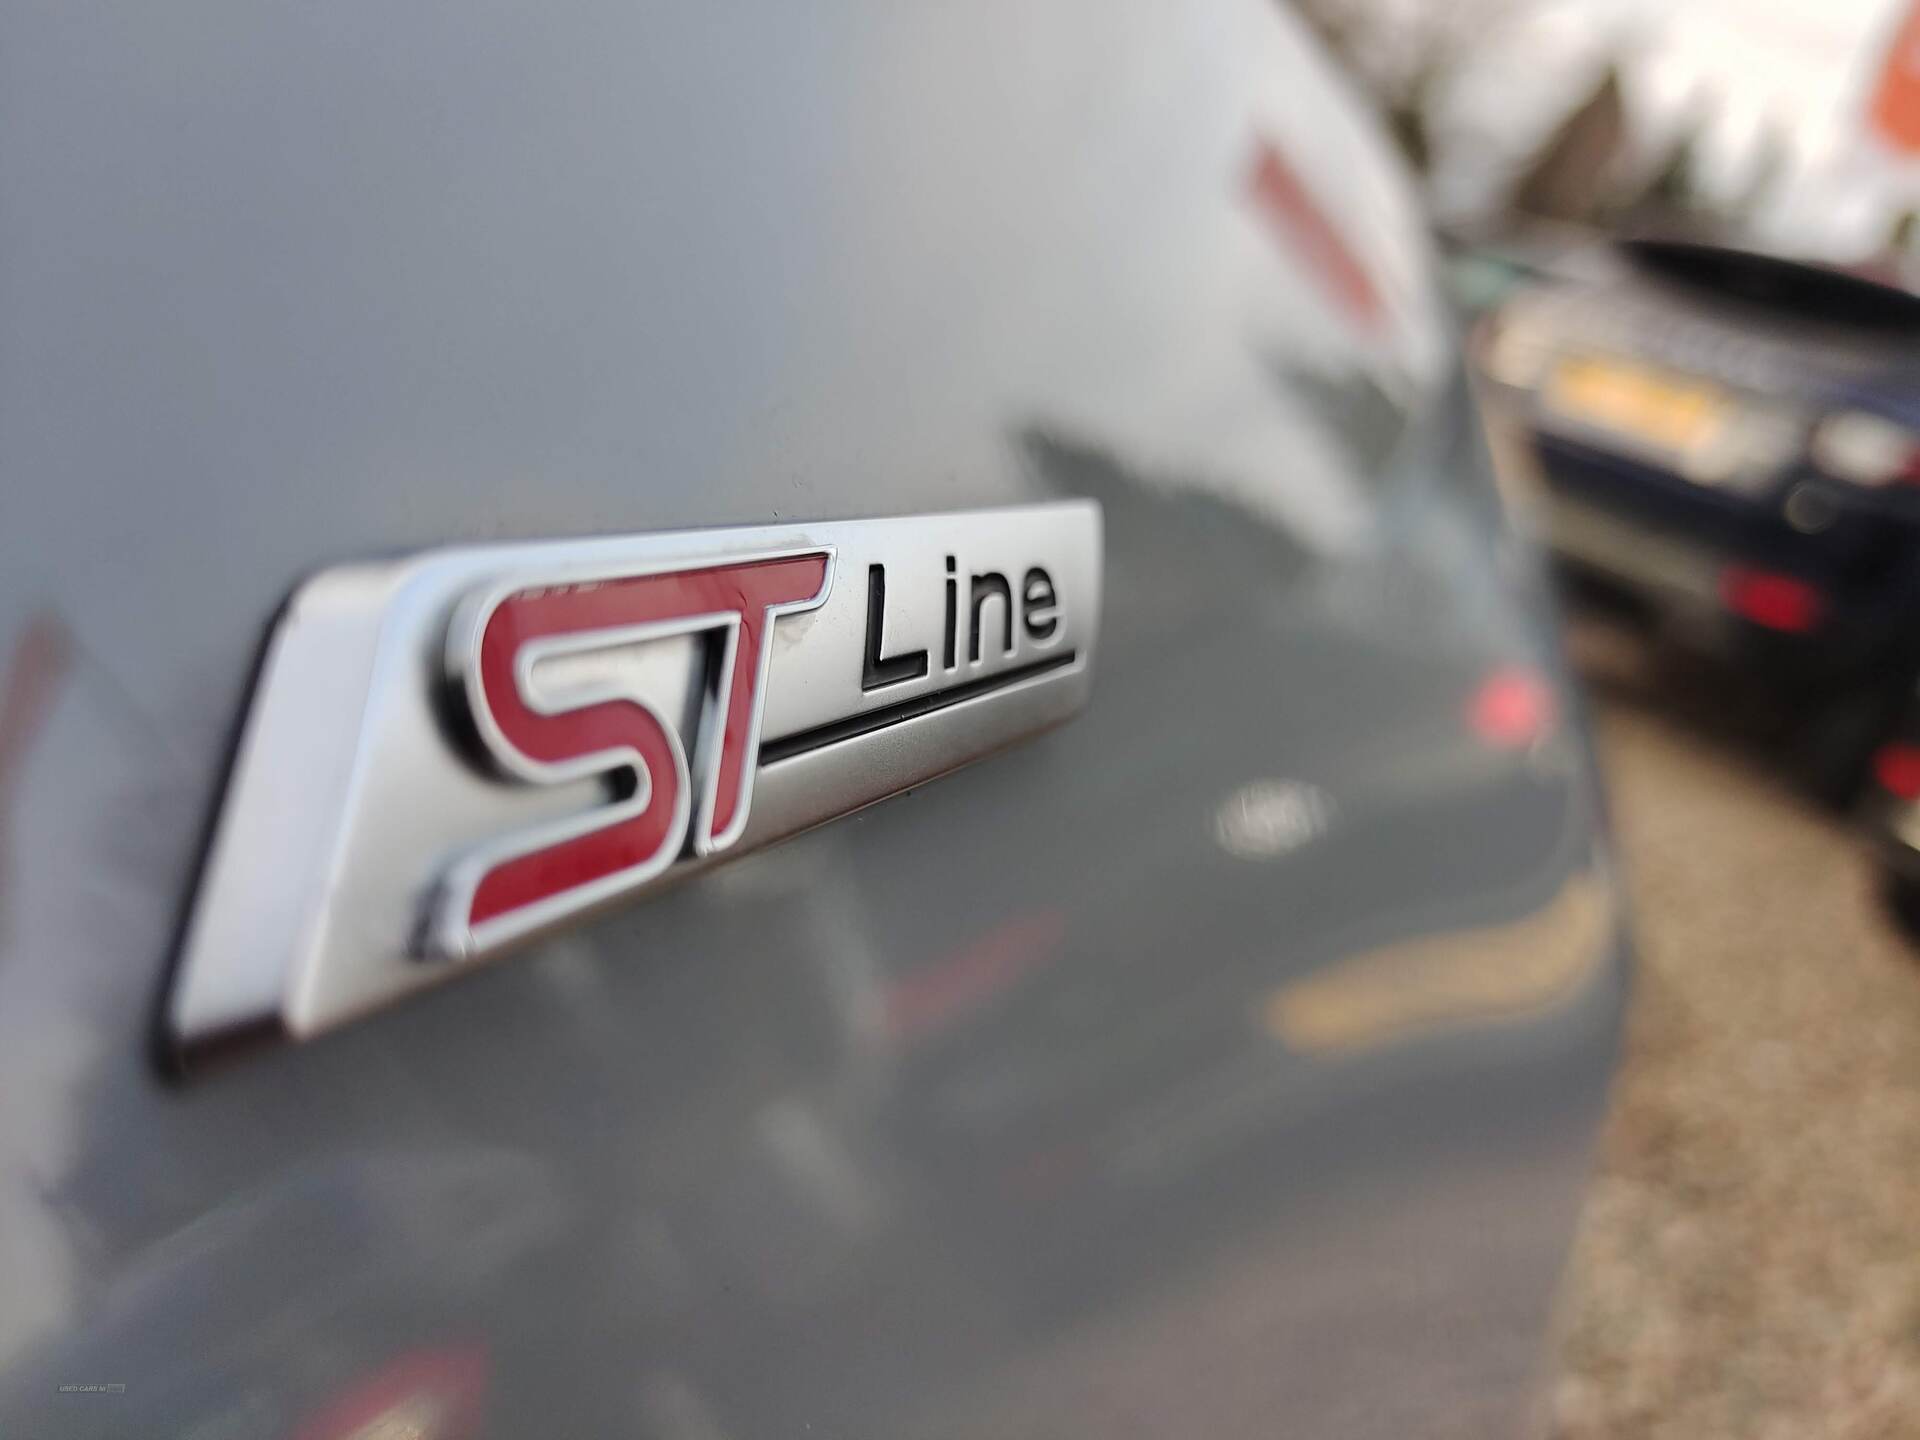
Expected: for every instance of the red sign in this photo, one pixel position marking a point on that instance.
(1895, 112)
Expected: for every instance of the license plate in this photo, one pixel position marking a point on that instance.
(1672, 415)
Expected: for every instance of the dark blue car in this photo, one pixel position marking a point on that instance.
(1728, 445)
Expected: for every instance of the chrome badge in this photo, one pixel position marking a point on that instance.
(450, 754)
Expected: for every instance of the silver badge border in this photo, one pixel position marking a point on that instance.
(353, 813)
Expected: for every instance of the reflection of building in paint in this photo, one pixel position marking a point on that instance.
(28, 687)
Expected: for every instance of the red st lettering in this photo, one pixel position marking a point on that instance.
(524, 881)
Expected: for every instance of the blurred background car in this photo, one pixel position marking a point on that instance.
(1722, 443)
(1685, 243)
(1482, 272)
(1684, 239)
(1891, 811)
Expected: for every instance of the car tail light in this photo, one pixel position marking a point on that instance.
(1866, 449)
(1513, 707)
(1896, 767)
(1771, 600)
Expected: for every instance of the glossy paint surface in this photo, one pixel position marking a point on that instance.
(1222, 1063)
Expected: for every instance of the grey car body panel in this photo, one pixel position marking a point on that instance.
(1225, 1061)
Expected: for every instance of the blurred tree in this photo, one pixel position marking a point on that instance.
(1769, 165)
(1673, 185)
(1406, 53)
(1571, 175)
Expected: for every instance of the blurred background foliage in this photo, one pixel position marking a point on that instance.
(1738, 120)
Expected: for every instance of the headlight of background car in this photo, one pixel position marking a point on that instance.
(1746, 452)
(1867, 449)
(1516, 345)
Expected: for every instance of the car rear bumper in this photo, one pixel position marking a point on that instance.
(1678, 575)
(1674, 552)
(1893, 828)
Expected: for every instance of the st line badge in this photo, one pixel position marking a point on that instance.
(452, 753)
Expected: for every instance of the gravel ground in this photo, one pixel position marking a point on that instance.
(1749, 1261)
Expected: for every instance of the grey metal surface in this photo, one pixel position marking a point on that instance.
(1094, 1086)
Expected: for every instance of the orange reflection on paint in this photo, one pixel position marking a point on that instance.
(1438, 982)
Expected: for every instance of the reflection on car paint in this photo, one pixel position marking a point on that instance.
(28, 686)
(1265, 819)
(1298, 216)
(423, 1395)
(1505, 971)
(946, 990)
